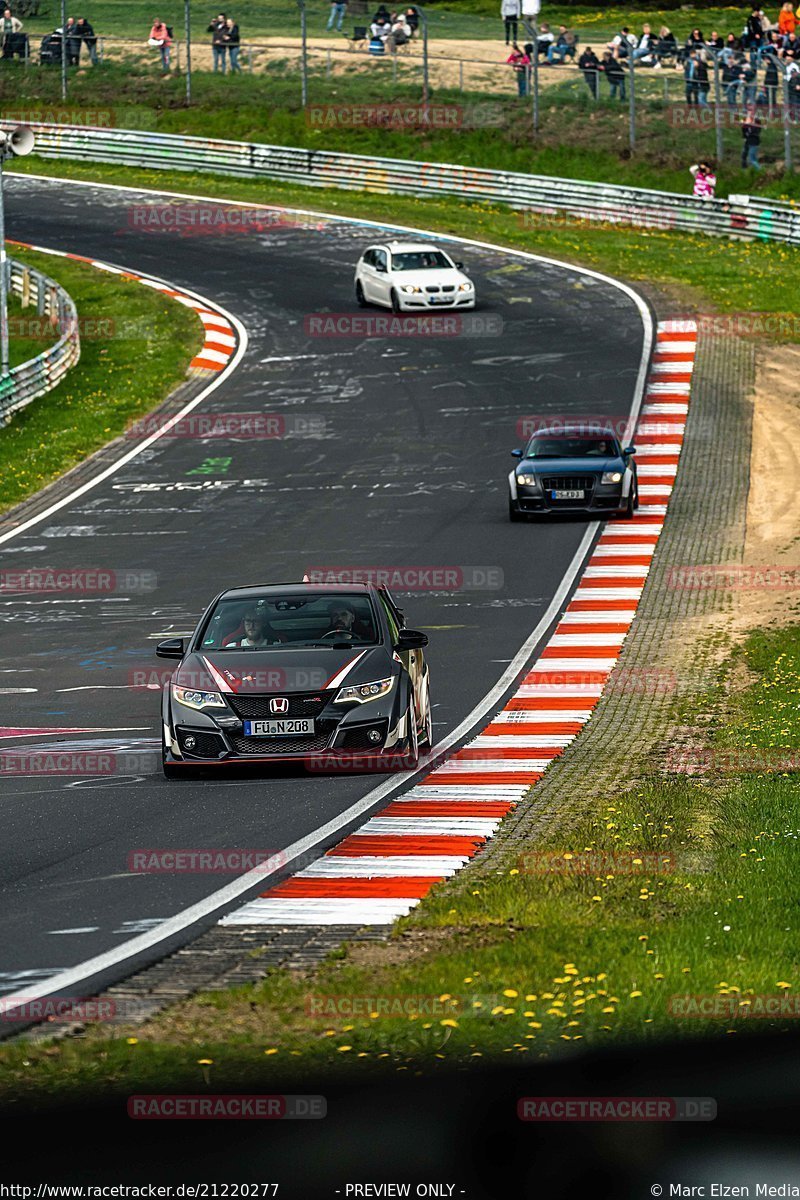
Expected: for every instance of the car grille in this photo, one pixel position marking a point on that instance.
(301, 704)
(206, 745)
(281, 745)
(448, 288)
(569, 482)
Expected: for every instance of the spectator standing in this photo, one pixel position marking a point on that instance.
(690, 78)
(88, 36)
(589, 64)
(160, 37)
(519, 62)
(703, 82)
(338, 10)
(705, 181)
(614, 70)
(73, 40)
(787, 21)
(771, 81)
(751, 139)
(9, 28)
(232, 43)
(218, 29)
(510, 11)
(731, 76)
(754, 32)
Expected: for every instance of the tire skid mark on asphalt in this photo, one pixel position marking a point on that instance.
(371, 878)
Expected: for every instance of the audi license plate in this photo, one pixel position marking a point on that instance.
(568, 494)
(289, 727)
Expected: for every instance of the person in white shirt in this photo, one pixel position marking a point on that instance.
(510, 11)
(255, 634)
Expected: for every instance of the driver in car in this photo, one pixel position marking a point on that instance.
(345, 622)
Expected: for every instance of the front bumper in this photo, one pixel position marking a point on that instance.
(341, 733)
(425, 303)
(605, 502)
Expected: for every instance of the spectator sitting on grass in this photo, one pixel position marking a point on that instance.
(589, 64)
(646, 45)
(791, 46)
(563, 46)
(88, 36)
(705, 181)
(399, 32)
(666, 46)
(544, 40)
(412, 20)
(623, 43)
(159, 36)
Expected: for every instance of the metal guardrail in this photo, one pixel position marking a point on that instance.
(745, 217)
(32, 379)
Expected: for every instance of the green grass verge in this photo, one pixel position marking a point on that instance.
(702, 273)
(577, 138)
(526, 959)
(147, 343)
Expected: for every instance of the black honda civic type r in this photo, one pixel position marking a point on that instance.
(298, 671)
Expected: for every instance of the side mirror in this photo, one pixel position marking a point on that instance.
(629, 450)
(410, 639)
(170, 648)
(516, 454)
(460, 267)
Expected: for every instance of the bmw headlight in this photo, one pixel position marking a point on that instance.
(465, 287)
(611, 477)
(362, 692)
(526, 480)
(410, 288)
(194, 699)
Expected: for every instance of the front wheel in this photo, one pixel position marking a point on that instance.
(629, 508)
(411, 754)
(361, 299)
(395, 302)
(426, 737)
(513, 512)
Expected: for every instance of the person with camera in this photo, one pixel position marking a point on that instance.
(218, 28)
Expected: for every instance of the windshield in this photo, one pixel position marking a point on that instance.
(292, 620)
(421, 260)
(572, 447)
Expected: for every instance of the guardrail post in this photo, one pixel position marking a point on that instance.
(461, 74)
(787, 128)
(328, 65)
(25, 293)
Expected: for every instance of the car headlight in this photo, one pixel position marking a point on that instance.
(408, 288)
(611, 477)
(194, 699)
(526, 480)
(465, 287)
(362, 692)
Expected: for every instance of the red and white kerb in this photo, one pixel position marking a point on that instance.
(382, 870)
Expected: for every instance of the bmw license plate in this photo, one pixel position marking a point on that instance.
(290, 727)
(568, 494)
(440, 299)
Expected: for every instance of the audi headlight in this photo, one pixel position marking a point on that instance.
(408, 288)
(194, 699)
(611, 477)
(362, 692)
(465, 287)
(528, 481)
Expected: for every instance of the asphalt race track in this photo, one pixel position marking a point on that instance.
(406, 467)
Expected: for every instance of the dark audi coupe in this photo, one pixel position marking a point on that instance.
(298, 671)
(573, 471)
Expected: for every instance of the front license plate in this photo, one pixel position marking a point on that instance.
(285, 728)
(440, 299)
(568, 494)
